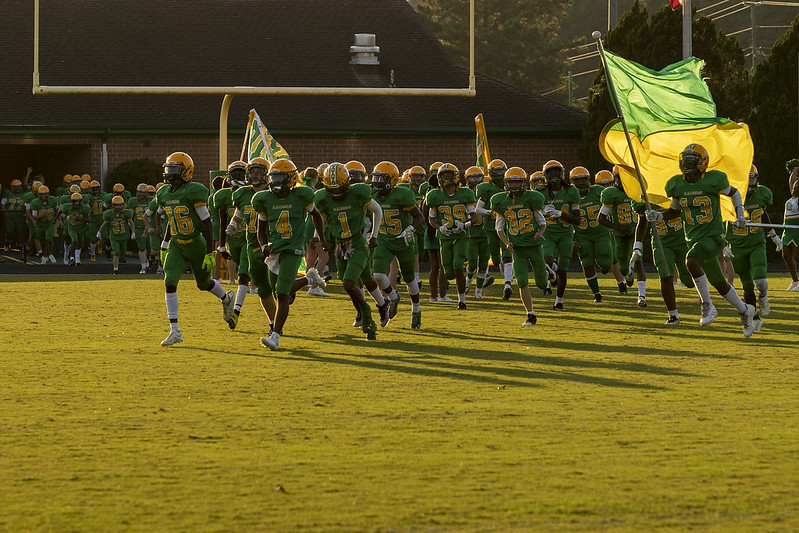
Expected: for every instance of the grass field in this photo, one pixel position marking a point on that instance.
(599, 418)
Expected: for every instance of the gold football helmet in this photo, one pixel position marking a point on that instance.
(178, 169)
(385, 177)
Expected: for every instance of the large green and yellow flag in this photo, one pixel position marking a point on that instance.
(261, 143)
(666, 111)
(483, 156)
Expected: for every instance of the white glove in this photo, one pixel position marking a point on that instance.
(407, 234)
(99, 235)
(232, 228)
(775, 239)
(548, 209)
(445, 230)
(458, 227)
(740, 222)
(654, 216)
(727, 251)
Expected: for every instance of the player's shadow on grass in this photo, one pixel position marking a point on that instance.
(435, 367)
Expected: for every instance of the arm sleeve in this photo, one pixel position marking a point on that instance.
(539, 217)
(481, 209)
(202, 212)
(499, 223)
(605, 210)
(675, 204)
(375, 208)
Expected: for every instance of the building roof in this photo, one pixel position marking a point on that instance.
(253, 43)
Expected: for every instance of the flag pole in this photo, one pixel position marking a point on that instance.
(615, 98)
(247, 136)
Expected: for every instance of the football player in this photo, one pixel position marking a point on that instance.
(396, 239)
(281, 211)
(117, 219)
(138, 205)
(591, 238)
(184, 204)
(451, 214)
(520, 225)
(233, 248)
(562, 212)
(478, 241)
(44, 211)
(243, 217)
(696, 194)
(344, 208)
(13, 206)
(436, 278)
(790, 236)
(77, 216)
(617, 214)
(484, 191)
(315, 255)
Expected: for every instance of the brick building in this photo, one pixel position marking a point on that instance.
(255, 43)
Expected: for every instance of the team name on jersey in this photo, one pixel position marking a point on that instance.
(342, 208)
(284, 206)
(169, 202)
(693, 193)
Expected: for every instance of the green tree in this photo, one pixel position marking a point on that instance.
(515, 40)
(773, 121)
(657, 43)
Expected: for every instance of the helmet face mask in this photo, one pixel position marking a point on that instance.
(448, 176)
(515, 179)
(554, 176)
(117, 204)
(496, 172)
(381, 182)
(256, 171)
(693, 162)
(282, 177)
(384, 177)
(178, 169)
(580, 178)
(16, 186)
(76, 199)
(754, 179)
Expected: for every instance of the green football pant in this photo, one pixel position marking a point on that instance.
(258, 271)
(453, 255)
(44, 233)
(675, 256)
(288, 265)
(356, 266)
(706, 251)
(535, 255)
(404, 253)
(119, 247)
(182, 251)
(623, 248)
(496, 248)
(141, 240)
(594, 250)
(77, 234)
(559, 247)
(750, 264)
(478, 253)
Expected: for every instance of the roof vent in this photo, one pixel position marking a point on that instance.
(364, 52)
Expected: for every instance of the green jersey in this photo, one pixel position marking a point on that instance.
(79, 217)
(242, 201)
(180, 208)
(564, 200)
(285, 217)
(485, 191)
(451, 209)
(590, 205)
(138, 208)
(96, 204)
(396, 208)
(223, 201)
(520, 223)
(13, 202)
(118, 226)
(50, 208)
(700, 203)
(620, 207)
(346, 216)
(755, 205)
(671, 232)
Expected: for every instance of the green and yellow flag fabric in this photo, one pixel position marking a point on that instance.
(666, 111)
(261, 143)
(483, 156)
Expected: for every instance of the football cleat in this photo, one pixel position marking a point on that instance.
(234, 319)
(547, 291)
(272, 342)
(228, 302)
(383, 311)
(622, 288)
(558, 307)
(747, 320)
(445, 298)
(757, 322)
(115, 272)
(51, 257)
(629, 279)
(507, 292)
(143, 270)
(673, 321)
(433, 299)
(175, 336)
(93, 258)
(358, 321)
(314, 278)
(598, 298)
(793, 286)
(66, 259)
(392, 307)
(762, 302)
(531, 320)
(316, 291)
(44, 260)
(488, 282)
(461, 306)
(709, 314)
(370, 328)
(641, 301)
(478, 293)
(71, 261)
(416, 320)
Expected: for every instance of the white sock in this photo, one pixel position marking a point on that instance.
(702, 288)
(462, 297)
(413, 288)
(172, 307)
(674, 313)
(416, 307)
(382, 280)
(482, 275)
(217, 290)
(762, 286)
(558, 300)
(642, 288)
(416, 278)
(735, 300)
(77, 255)
(241, 294)
(92, 248)
(508, 272)
(378, 297)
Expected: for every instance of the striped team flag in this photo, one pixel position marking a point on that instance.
(261, 143)
(483, 156)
